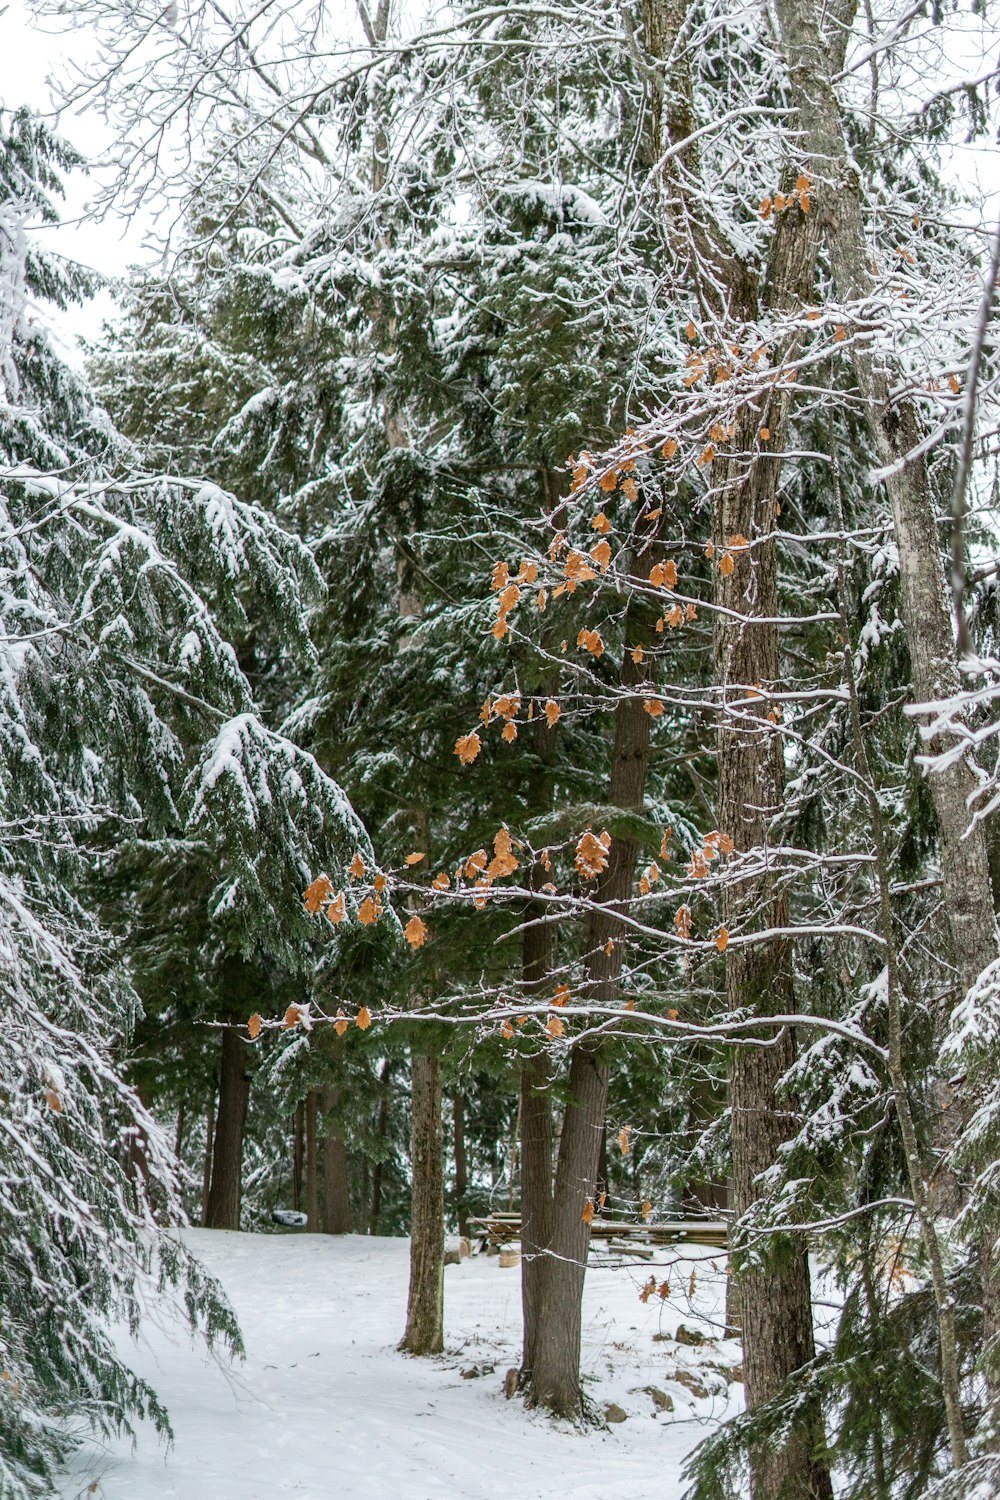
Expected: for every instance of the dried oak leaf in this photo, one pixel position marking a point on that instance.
(415, 932)
(315, 894)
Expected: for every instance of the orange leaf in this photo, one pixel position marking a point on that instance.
(509, 732)
(476, 862)
(363, 1019)
(726, 844)
(337, 910)
(726, 564)
(356, 868)
(555, 1027)
(501, 576)
(562, 994)
(601, 555)
(669, 448)
(653, 707)
(415, 932)
(506, 1030)
(624, 1144)
(691, 332)
(509, 598)
(630, 490)
(292, 1017)
(541, 599)
(341, 1024)
(592, 855)
(609, 481)
(601, 523)
(722, 941)
(415, 857)
(591, 639)
(552, 712)
(637, 654)
(710, 550)
(682, 921)
(380, 883)
(647, 1208)
(441, 881)
(254, 1026)
(53, 1100)
(499, 629)
(588, 1212)
(315, 894)
(369, 912)
(670, 573)
(528, 571)
(467, 747)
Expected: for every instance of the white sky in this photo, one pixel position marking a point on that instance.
(27, 56)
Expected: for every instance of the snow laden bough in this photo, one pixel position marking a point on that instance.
(125, 714)
(86, 1185)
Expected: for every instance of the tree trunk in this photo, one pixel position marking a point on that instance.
(206, 1175)
(461, 1164)
(312, 1164)
(536, 1201)
(298, 1153)
(895, 424)
(179, 1134)
(894, 421)
(425, 1306)
(555, 1344)
(227, 1156)
(381, 1132)
(336, 1180)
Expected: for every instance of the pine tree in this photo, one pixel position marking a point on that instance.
(122, 709)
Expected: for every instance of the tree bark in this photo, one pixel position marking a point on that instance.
(555, 1345)
(298, 1153)
(336, 1178)
(895, 425)
(206, 1175)
(381, 1131)
(425, 1305)
(966, 888)
(223, 1211)
(461, 1164)
(179, 1134)
(312, 1164)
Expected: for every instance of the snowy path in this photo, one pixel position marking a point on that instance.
(324, 1406)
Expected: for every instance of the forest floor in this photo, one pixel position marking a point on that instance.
(324, 1405)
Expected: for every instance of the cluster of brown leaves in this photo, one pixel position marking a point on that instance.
(800, 194)
(652, 1288)
(592, 852)
(509, 588)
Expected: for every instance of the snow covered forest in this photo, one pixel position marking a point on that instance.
(500, 754)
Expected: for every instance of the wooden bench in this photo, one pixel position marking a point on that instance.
(500, 1228)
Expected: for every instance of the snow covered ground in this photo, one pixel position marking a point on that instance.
(324, 1406)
